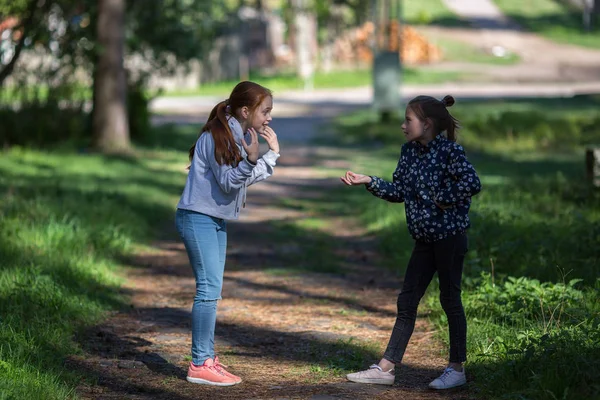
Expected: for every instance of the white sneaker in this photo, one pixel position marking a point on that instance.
(449, 379)
(373, 375)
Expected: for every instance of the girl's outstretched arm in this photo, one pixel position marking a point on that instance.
(464, 184)
(390, 191)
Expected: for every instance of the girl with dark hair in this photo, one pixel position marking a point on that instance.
(224, 162)
(436, 182)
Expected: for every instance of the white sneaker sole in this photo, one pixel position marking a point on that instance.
(205, 382)
(448, 387)
(372, 381)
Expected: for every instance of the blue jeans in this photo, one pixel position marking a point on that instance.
(445, 257)
(205, 240)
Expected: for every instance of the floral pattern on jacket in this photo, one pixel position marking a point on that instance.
(425, 175)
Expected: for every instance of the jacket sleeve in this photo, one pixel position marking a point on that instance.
(390, 191)
(464, 182)
(227, 176)
(264, 167)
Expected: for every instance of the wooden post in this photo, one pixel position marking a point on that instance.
(592, 158)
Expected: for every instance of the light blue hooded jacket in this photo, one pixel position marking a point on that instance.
(220, 190)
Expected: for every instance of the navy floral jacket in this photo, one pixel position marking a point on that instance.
(438, 172)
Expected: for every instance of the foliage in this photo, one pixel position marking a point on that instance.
(430, 12)
(42, 118)
(530, 335)
(519, 125)
(161, 35)
(138, 112)
(515, 300)
(66, 222)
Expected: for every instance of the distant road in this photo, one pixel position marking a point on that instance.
(324, 102)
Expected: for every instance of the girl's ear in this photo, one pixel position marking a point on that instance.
(245, 112)
(428, 124)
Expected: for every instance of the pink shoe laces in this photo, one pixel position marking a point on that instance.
(218, 366)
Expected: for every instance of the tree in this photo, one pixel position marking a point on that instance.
(110, 125)
(29, 15)
(90, 38)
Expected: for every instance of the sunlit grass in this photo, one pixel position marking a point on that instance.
(561, 21)
(336, 79)
(67, 218)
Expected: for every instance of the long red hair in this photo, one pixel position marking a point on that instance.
(245, 94)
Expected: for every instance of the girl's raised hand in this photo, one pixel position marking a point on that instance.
(353, 179)
(252, 148)
(271, 137)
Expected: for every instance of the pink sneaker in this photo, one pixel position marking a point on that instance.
(222, 367)
(209, 374)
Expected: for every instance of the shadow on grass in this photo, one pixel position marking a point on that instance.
(66, 220)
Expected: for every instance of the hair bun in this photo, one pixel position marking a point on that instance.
(448, 101)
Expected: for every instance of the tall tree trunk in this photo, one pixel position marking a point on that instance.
(303, 38)
(110, 124)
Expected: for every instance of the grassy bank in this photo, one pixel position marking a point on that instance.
(336, 79)
(430, 12)
(66, 221)
(557, 20)
(530, 280)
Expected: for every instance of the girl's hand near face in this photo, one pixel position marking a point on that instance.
(271, 138)
(252, 148)
(353, 179)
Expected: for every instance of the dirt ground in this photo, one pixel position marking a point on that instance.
(280, 332)
(289, 332)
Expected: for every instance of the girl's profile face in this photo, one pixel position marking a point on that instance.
(414, 129)
(262, 115)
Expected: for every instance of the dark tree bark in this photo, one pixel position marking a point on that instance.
(110, 124)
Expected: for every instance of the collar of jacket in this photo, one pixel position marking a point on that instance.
(434, 144)
(236, 128)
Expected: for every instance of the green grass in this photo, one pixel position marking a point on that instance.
(455, 50)
(533, 323)
(68, 218)
(66, 221)
(556, 20)
(337, 79)
(430, 12)
(280, 82)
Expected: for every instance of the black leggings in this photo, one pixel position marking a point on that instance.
(445, 256)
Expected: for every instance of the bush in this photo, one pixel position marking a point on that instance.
(39, 125)
(44, 118)
(515, 300)
(546, 130)
(138, 112)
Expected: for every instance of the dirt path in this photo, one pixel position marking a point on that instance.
(285, 326)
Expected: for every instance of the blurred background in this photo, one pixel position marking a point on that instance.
(100, 101)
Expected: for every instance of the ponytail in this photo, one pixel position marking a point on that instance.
(245, 94)
(451, 124)
(226, 150)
